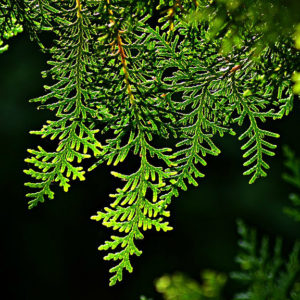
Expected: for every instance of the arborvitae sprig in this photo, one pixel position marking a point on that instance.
(193, 98)
(138, 115)
(136, 206)
(68, 96)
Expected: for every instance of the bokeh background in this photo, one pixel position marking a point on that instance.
(50, 252)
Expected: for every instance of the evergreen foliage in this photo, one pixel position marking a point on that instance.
(71, 67)
(292, 164)
(9, 25)
(267, 276)
(262, 275)
(155, 82)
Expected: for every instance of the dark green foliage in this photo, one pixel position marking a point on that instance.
(264, 274)
(263, 271)
(154, 83)
(292, 164)
(268, 19)
(9, 25)
(16, 15)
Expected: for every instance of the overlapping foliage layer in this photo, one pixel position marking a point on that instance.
(9, 25)
(131, 76)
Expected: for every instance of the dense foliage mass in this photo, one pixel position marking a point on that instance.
(155, 82)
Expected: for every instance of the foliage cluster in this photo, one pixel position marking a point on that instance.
(262, 276)
(9, 25)
(154, 82)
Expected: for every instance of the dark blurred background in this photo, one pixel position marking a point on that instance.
(50, 252)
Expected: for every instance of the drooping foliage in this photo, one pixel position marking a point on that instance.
(154, 82)
(70, 97)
